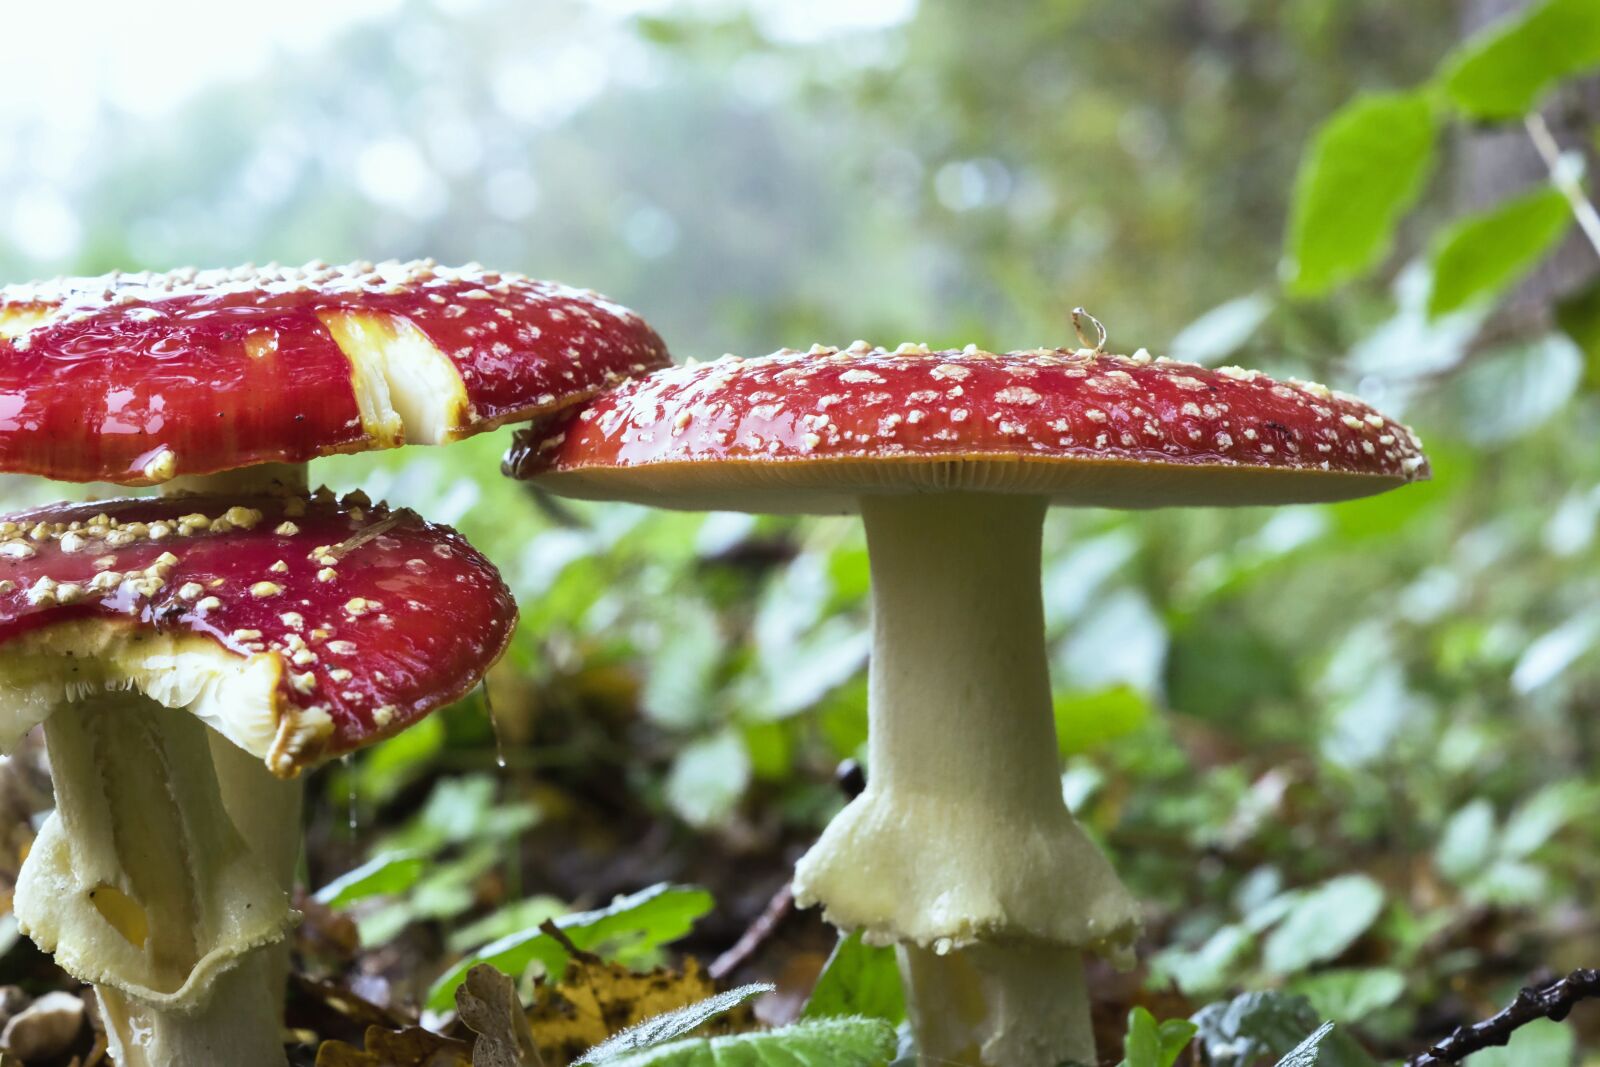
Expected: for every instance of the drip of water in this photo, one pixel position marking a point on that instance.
(350, 789)
(494, 725)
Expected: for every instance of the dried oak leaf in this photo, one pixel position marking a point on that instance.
(599, 999)
(487, 1004)
(410, 1047)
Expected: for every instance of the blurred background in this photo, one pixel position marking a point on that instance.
(1344, 751)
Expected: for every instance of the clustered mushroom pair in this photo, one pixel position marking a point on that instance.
(189, 654)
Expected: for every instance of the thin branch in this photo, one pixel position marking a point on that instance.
(1564, 178)
(1552, 1002)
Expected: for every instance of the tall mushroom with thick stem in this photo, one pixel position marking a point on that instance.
(140, 631)
(961, 850)
(230, 381)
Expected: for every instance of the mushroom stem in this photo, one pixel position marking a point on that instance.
(1018, 1004)
(140, 884)
(961, 848)
(264, 808)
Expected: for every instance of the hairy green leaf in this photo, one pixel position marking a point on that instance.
(817, 1043)
(672, 1024)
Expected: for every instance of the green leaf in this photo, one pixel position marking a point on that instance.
(672, 1025)
(860, 980)
(1502, 72)
(1361, 173)
(1323, 923)
(1209, 968)
(1308, 1053)
(1541, 1043)
(1468, 841)
(679, 681)
(1087, 720)
(708, 778)
(630, 925)
(818, 1043)
(1238, 1032)
(1350, 994)
(1222, 331)
(1152, 1044)
(383, 875)
(1478, 258)
(1578, 316)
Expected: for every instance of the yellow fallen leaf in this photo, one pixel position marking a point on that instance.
(599, 999)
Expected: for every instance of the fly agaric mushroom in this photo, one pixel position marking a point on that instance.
(961, 850)
(229, 381)
(295, 630)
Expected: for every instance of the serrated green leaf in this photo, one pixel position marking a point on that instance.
(672, 1025)
(383, 875)
(1238, 1032)
(630, 925)
(859, 980)
(1477, 258)
(1308, 1053)
(1323, 923)
(1363, 170)
(818, 1043)
(1502, 72)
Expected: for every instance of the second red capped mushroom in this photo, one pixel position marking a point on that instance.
(961, 850)
(137, 629)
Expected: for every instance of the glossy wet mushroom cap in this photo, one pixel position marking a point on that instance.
(300, 630)
(811, 431)
(140, 378)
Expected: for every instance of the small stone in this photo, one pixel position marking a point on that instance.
(45, 1029)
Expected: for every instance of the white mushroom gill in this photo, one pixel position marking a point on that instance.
(408, 391)
(140, 884)
(962, 849)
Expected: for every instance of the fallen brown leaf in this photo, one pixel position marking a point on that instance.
(488, 1005)
(411, 1047)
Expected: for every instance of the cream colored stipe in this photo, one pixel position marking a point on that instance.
(408, 390)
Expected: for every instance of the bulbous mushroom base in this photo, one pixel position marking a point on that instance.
(925, 870)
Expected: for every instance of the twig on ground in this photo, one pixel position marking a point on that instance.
(1552, 1002)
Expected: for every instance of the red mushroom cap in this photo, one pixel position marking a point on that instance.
(367, 619)
(138, 378)
(810, 431)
